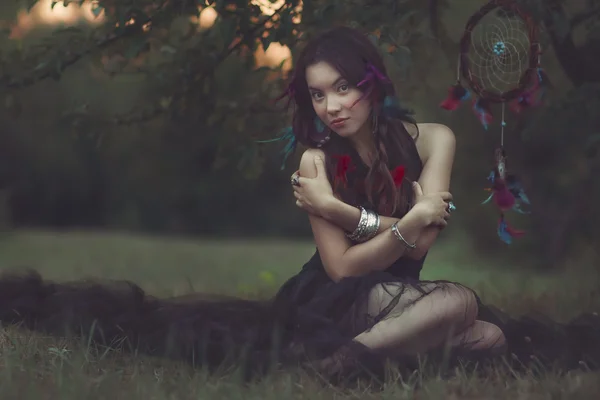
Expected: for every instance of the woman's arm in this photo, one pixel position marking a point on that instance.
(438, 145)
(341, 258)
(346, 216)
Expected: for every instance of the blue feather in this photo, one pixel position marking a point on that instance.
(488, 199)
(391, 102)
(503, 233)
(516, 189)
(517, 208)
(319, 125)
(523, 197)
(481, 113)
(391, 108)
(286, 135)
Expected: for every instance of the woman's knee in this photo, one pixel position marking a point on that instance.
(460, 306)
(493, 336)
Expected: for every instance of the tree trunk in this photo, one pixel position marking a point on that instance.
(569, 56)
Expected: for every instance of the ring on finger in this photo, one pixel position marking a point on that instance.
(451, 207)
(295, 181)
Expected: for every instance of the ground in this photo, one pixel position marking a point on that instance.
(48, 368)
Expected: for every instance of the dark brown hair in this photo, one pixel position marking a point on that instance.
(353, 55)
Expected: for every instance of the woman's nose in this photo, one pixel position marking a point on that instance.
(333, 107)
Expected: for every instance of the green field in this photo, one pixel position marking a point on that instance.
(37, 367)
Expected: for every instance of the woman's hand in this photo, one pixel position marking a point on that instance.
(313, 195)
(434, 208)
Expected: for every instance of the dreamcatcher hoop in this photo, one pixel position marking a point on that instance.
(464, 67)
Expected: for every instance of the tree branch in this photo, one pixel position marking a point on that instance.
(582, 17)
(158, 110)
(565, 48)
(450, 49)
(165, 13)
(71, 59)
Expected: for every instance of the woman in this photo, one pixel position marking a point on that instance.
(341, 93)
(359, 298)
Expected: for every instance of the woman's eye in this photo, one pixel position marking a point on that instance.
(316, 95)
(343, 88)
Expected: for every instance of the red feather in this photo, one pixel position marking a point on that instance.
(516, 106)
(456, 94)
(529, 99)
(344, 165)
(398, 175)
(533, 96)
(512, 231)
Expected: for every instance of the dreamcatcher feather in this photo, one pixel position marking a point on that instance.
(500, 62)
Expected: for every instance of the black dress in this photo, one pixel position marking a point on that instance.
(310, 312)
(344, 302)
(344, 308)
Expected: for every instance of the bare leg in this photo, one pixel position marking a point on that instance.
(480, 336)
(415, 323)
(418, 322)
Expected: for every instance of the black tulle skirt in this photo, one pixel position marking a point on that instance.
(310, 317)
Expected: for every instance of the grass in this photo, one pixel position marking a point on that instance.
(50, 368)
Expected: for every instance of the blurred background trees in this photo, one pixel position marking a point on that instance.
(143, 115)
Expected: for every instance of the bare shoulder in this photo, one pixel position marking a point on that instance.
(307, 167)
(431, 131)
(434, 138)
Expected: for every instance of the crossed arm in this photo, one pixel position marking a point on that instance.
(439, 148)
(340, 257)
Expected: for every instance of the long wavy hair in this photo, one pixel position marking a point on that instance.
(355, 57)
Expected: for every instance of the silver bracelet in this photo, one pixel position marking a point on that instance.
(373, 223)
(367, 228)
(399, 236)
(362, 223)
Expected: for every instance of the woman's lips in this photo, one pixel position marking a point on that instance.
(338, 122)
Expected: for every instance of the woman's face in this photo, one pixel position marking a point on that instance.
(335, 101)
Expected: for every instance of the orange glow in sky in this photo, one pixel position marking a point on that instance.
(43, 15)
(267, 7)
(206, 19)
(275, 55)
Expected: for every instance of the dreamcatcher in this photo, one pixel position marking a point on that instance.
(500, 62)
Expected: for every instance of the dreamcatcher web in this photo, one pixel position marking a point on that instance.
(500, 51)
